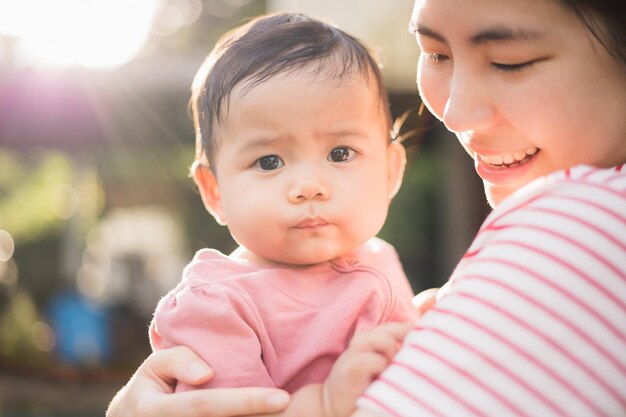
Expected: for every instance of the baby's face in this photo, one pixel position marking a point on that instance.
(304, 168)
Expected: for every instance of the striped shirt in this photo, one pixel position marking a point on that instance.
(533, 319)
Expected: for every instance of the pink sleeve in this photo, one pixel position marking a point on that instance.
(534, 321)
(218, 323)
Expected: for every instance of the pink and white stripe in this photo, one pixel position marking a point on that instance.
(533, 321)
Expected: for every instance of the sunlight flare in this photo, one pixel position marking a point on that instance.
(90, 33)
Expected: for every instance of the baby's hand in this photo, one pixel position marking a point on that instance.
(368, 354)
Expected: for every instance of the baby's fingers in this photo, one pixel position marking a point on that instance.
(384, 339)
(365, 367)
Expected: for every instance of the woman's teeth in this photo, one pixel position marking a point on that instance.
(509, 159)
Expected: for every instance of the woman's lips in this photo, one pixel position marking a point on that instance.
(509, 159)
(505, 167)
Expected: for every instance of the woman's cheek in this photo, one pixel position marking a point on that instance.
(432, 89)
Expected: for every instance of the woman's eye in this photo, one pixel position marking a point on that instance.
(434, 57)
(269, 162)
(512, 67)
(341, 154)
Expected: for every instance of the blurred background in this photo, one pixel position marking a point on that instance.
(97, 213)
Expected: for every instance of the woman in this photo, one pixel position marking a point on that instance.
(534, 321)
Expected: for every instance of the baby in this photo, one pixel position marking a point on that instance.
(294, 154)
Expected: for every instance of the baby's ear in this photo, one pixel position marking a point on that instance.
(396, 162)
(209, 191)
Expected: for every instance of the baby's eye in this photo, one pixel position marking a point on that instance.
(269, 162)
(341, 154)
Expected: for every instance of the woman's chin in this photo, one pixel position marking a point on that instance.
(496, 194)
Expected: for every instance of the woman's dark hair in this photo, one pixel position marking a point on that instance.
(267, 46)
(606, 20)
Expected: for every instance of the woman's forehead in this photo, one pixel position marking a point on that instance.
(520, 18)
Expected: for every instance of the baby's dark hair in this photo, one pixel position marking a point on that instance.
(263, 48)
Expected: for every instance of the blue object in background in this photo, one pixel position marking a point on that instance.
(82, 330)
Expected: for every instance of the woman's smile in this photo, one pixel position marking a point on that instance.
(505, 167)
(509, 160)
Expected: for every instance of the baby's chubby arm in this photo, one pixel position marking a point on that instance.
(368, 354)
(195, 315)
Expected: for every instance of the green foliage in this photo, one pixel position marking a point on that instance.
(29, 193)
(16, 331)
(414, 218)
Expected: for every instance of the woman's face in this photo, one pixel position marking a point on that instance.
(523, 84)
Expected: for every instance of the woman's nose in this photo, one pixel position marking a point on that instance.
(469, 105)
(307, 186)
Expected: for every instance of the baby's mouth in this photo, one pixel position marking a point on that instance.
(311, 223)
(509, 160)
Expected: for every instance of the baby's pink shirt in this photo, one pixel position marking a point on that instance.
(279, 325)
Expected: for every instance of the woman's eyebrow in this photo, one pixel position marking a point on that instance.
(501, 33)
(424, 31)
(493, 34)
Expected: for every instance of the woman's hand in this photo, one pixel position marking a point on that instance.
(150, 392)
(425, 300)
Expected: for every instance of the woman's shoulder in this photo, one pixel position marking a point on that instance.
(581, 185)
(574, 216)
(613, 178)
